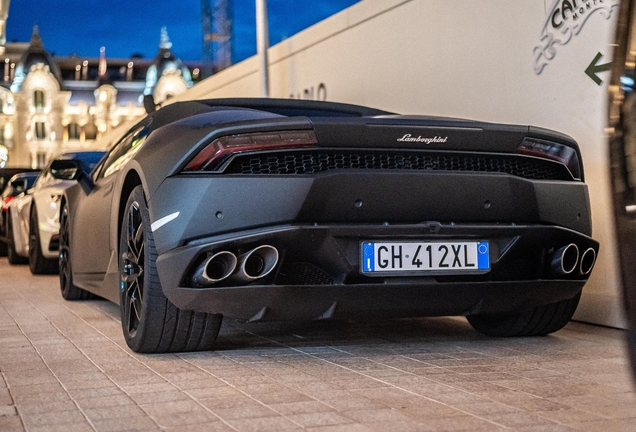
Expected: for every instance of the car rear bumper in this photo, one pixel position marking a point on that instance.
(206, 205)
(260, 303)
(318, 273)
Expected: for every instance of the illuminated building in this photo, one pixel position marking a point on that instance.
(4, 14)
(50, 105)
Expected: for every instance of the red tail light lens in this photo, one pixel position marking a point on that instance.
(553, 151)
(6, 201)
(215, 153)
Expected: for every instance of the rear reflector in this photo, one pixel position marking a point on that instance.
(215, 153)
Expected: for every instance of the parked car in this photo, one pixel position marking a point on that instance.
(33, 217)
(7, 173)
(17, 184)
(622, 133)
(267, 209)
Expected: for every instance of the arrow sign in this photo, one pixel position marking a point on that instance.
(595, 68)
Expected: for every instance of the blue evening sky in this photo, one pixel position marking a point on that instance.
(133, 26)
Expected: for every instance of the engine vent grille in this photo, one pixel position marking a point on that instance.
(317, 161)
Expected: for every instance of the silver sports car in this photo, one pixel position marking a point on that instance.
(33, 223)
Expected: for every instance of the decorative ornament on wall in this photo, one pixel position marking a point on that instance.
(566, 19)
(4, 155)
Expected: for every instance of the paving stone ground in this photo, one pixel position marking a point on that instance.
(65, 367)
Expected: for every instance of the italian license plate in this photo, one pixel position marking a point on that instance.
(425, 257)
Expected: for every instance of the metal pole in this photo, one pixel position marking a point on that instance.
(262, 44)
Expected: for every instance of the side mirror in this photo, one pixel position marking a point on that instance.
(67, 169)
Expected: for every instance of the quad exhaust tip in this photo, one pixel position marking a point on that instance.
(565, 260)
(219, 266)
(257, 263)
(253, 265)
(587, 261)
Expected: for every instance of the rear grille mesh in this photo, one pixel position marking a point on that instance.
(303, 274)
(317, 161)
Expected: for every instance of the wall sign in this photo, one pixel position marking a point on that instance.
(312, 93)
(595, 68)
(565, 19)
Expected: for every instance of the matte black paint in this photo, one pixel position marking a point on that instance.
(336, 248)
(523, 217)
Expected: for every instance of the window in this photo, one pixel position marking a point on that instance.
(38, 100)
(40, 160)
(125, 149)
(1, 106)
(40, 130)
(90, 131)
(73, 131)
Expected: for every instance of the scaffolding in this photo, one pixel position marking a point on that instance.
(216, 23)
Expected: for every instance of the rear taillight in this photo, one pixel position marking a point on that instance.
(215, 153)
(553, 151)
(6, 201)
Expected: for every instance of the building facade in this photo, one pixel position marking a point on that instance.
(50, 105)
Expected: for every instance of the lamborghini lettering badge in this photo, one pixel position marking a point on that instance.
(421, 139)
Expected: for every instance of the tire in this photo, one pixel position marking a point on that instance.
(538, 321)
(68, 288)
(12, 256)
(37, 263)
(3, 245)
(151, 323)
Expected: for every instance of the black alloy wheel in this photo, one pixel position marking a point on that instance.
(3, 216)
(132, 278)
(69, 290)
(37, 262)
(150, 322)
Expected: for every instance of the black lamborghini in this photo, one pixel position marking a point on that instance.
(265, 209)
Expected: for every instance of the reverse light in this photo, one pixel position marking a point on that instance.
(553, 151)
(215, 153)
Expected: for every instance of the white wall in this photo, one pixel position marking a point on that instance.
(461, 58)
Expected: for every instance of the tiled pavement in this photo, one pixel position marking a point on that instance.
(65, 366)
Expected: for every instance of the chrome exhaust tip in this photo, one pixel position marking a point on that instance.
(214, 269)
(565, 259)
(257, 263)
(587, 261)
